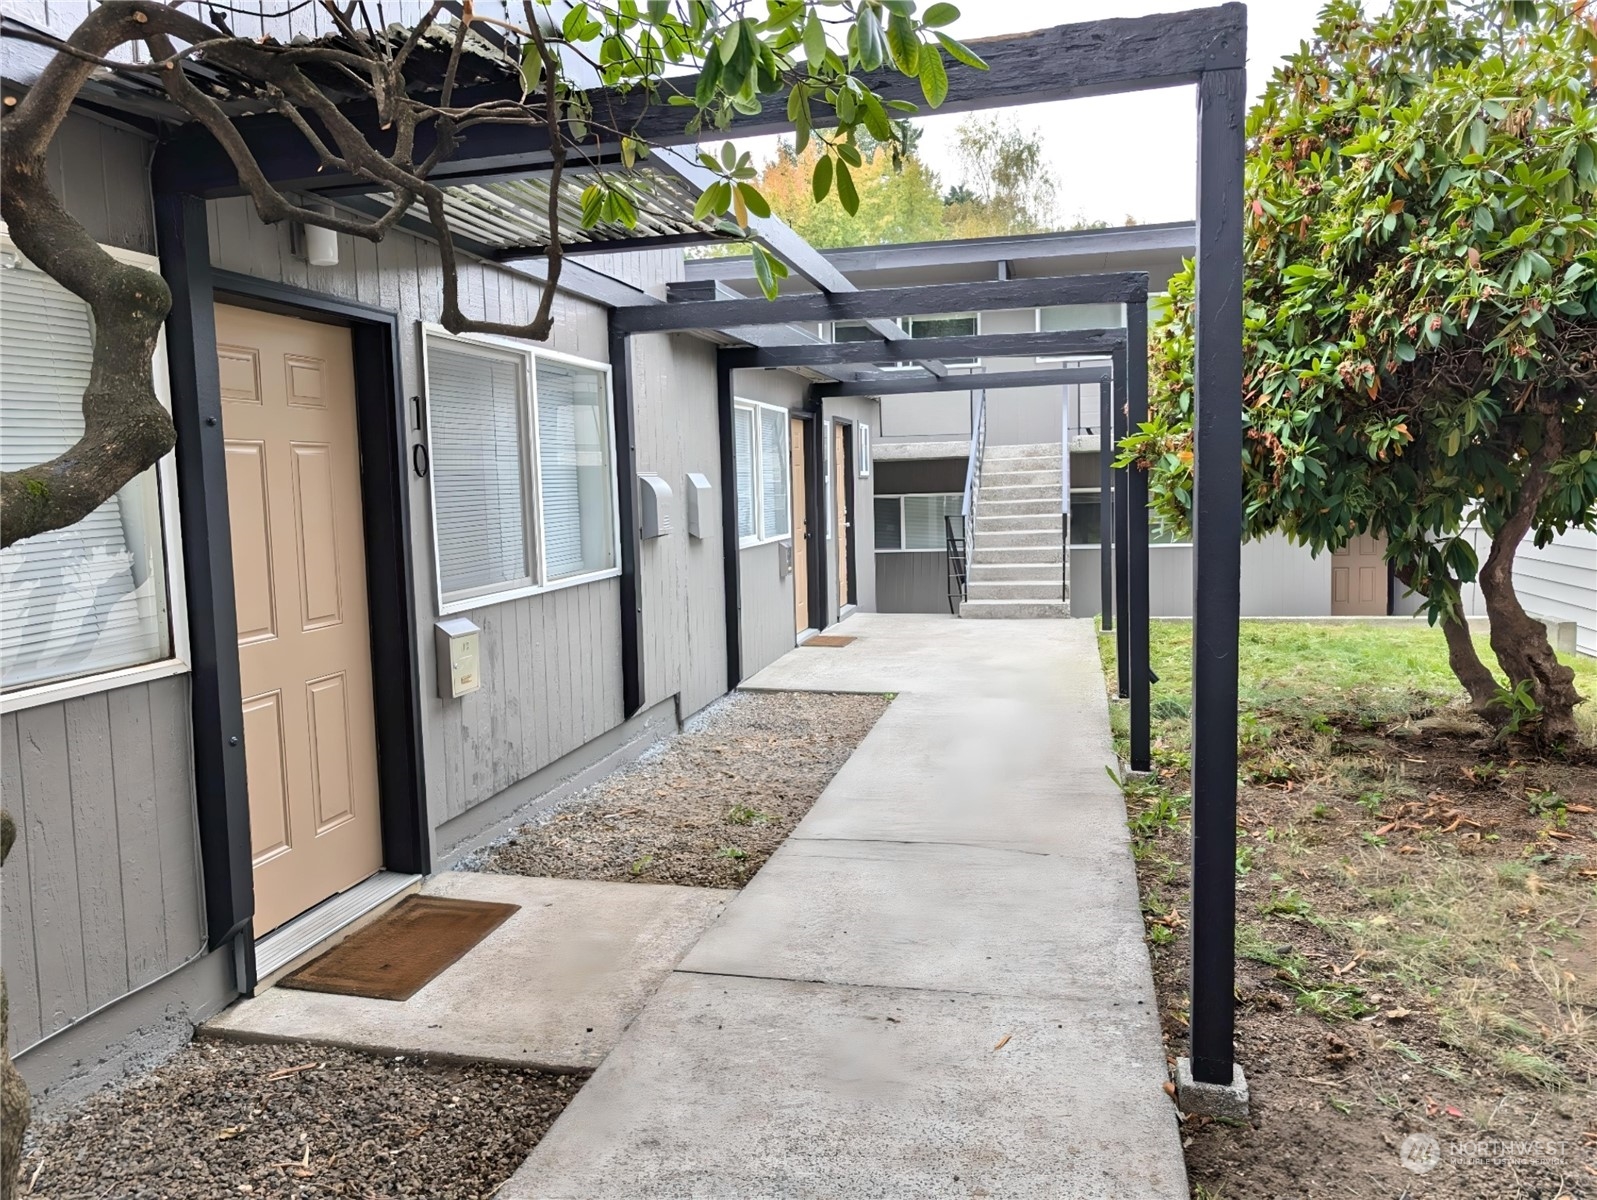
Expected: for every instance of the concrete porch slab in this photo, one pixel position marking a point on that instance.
(951, 917)
(745, 1089)
(554, 986)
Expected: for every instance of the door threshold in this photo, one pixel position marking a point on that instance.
(334, 919)
(805, 635)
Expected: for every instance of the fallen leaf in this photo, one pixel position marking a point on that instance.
(1003, 1041)
(1578, 808)
(1396, 1014)
(1169, 1089)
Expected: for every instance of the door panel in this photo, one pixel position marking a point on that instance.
(1358, 578)
(840, 514)
(299, 569)
(801, 528)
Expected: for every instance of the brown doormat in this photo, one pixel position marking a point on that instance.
(828, 639)
(397, 955)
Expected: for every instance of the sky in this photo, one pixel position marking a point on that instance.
(1114, 157)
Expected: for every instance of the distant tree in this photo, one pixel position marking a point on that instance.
(1005, 184)
(1420, 313)
(898, 196)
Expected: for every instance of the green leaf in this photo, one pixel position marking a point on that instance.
(531, 67)
(756, 202)
(961, 52)
(728, 44)
(814, 41)
(729, 155)
(845, 189)
(933, 77)
(763, 272)
(872, 44)
(940, 14)
(903, 44)
(821, 181)
(592, 204)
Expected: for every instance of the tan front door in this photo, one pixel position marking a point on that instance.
(1358, 578)
(299, 578)
(801, 530)
(840, 473)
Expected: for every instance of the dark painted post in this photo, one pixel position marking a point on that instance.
(632, 683)
(1106, 510)
(1116, 386)
(1138, 667)
(730, 563)
(1217, 565)
(218, 711)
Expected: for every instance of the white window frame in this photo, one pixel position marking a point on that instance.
(179, 661)
(862, 448)
(1094, 494)
(754, 407)
(531, 466)
(900, 497)
(907, 324)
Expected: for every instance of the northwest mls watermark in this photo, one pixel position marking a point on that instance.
(1423, 1152)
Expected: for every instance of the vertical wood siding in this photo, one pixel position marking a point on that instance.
(101, 173)
(102, 887)
(916, 582)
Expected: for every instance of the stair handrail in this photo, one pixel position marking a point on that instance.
(1064, 495)
(978, 445)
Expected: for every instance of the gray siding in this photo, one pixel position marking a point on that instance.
(914, 581)
(101, 173)
(1279, 579)
(102, 887)
(767, 618)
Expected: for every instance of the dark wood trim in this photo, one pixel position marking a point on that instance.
(1106, 515)
(1117, 288)
(818, 575)
(390, 569)
(1122, 520)
(731, 565)
(1216, 569)
(1139, 668)
(1089, 342)
(626, 439)
(850, 504)
(220, 786)
(984, 381)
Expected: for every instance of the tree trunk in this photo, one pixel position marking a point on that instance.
(1477, 679)
(1520, 642)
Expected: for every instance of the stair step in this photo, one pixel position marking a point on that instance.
(1019, 523)
(1027, 451)
(987, 572)
(1006, 478)
(1013, 609)
(1020, 491)
(1027, 589)
(1009, 508)
(986, 553)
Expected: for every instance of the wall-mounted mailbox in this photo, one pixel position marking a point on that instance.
(654, 516)
(701, 507)
(459, 669)
(784, 558)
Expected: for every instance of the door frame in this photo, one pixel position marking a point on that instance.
(815, 513)
(848, 551)
(221, 794)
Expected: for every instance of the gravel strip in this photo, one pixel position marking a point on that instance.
(708, 807)
(228, 1120)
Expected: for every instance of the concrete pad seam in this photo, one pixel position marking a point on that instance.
(919, 989)
(862, 841)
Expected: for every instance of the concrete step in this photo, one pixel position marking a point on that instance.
(1020, 491)
(989, 572)
(1005, 478)
(987, 610)
(1028, 589)
(987, 553)
(1019, 523)
(1027, 451)
(1006, 540)
(1009, 508)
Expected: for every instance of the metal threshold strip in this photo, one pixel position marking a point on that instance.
(310, 929)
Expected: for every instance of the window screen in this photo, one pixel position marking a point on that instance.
(743, 447)
(91, 597)
(573, 470)
(773, 473)
(924, 527)
(889, 523)
(476, 406)
(1064, 317)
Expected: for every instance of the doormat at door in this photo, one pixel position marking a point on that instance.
(828, 639)
(397, 955)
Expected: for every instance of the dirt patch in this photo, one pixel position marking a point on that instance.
(261, 1121)
(709, 807)
(1415, 951)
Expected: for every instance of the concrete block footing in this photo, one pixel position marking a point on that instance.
(1211, 1099)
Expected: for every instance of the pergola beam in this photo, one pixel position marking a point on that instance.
(1084, 343)
(924, 299)
(980, 381)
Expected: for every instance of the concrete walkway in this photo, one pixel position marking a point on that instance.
(937, 987)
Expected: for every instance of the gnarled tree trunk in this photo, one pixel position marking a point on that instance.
(1476, 677)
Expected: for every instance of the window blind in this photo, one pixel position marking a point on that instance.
(773, 473)
(743, 452)
(479, 485)
(573, 470)
(889, 523)
(924, 527)
(91, 597)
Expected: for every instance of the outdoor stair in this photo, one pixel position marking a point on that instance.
(1017, 559)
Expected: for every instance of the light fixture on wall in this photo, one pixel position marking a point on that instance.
(317, 246)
